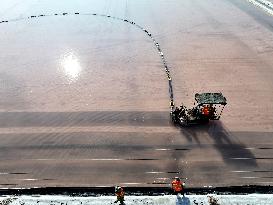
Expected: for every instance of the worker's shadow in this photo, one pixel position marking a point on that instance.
(183, 200)
(232, 150)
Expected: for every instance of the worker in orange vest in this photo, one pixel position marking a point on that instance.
(120, 195)
(178, 186)
(206, 110)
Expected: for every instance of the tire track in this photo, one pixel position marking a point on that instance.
(157, 45)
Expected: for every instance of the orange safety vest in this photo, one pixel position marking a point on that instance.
(120, 193)
(206, 110)
(177, 186)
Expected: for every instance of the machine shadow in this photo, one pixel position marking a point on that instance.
(231, 149)
(183, 201)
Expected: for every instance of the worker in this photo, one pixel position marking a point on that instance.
(120, 195)
(177, 186)
(205, 110)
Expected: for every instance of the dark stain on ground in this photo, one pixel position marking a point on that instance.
(265, 148)
(18, 173)
(8, 185)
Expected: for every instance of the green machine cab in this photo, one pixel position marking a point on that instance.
(209, 106)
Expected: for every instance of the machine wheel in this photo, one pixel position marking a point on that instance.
(174, 119)
(183, 120)
(204, 121)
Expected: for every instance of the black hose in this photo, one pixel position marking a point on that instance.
(157, 45)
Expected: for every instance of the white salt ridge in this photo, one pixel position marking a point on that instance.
(263, 4)
(251, 199)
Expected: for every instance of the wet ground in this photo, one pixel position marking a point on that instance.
(85, 102)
